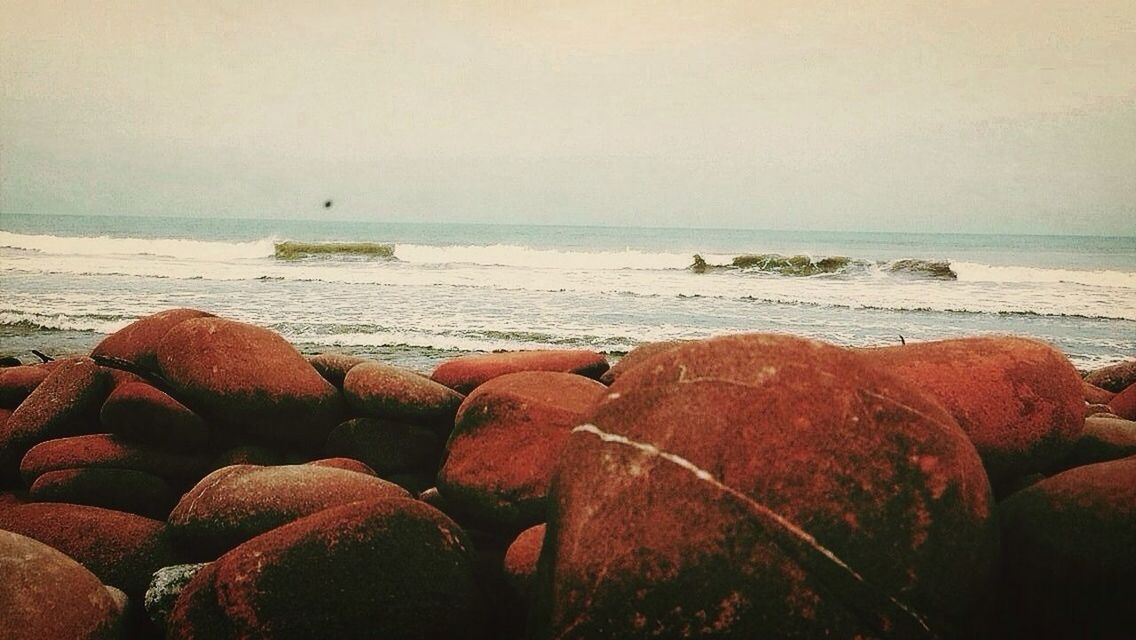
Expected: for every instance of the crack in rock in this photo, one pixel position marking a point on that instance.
(884, 612)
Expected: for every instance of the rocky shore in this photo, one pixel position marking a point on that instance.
(197, 477)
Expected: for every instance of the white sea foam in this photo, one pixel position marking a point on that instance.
(108, 246)
(974, 272)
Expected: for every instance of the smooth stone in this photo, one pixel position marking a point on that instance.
(521, 561)
(165, 586)
(507, 439)
(122, 549)
(137, 342)
(17, 383)
(45, 595)
(1124, 404)
(638, 356)
(765, 486)
(1095, 395)
(1069, 570)
(465, 373)
(1103, 439)
(70, 394)
(387, 568)
(334, 366)
(248, 379)
(126, 490)
(102, 450)
(1114, 377)
(140, 412)
(377, 390)
(1019, 400)
(347, 464)
(234, 504)
(386, 446)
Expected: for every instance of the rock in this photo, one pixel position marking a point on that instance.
(464, 374)
(248, 379)
(66, 397)
(138, 341)
(334, 366)
(1019, 400)
(140, 412)
(521, 559)
(10, 361)
(508, 437)
(164, 589)
(233, 504)
(1103, 439)
(1114, 377)
(1124, 404)
(9, 499)
(765, 486)
(247, 454)
(1094, 394)
(1098, 409)
(118, 489)
(348, 464)
(122, 549)
(101, 451)
(379, 391)
(17, 383)
(638, 356)
(1068, 566)
(388, 568)
(46, 595)
(386, 446)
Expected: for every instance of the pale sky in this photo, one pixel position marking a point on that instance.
(1008, 116)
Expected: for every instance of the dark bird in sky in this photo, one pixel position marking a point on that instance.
(327, 204)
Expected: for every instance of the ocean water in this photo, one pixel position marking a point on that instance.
(67, 281)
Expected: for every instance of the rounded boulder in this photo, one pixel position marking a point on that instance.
(248, 379)
(137, 342)
(233, 504)
(764, 486)
(386, 446)
(102, 451)
(464, 374)
(1020, 401)
(140, 412)
(507, 439)
(45, 594)
(388, 568)
(1114, 377)
(118, 489)
(377, 390)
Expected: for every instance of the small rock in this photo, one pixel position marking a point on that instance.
(521, 560)
(1095, 395)
(1114, 377)
(165, 587)
(106, 451)
(17, 383)
(638, 356)
(1124, 404)
(1102, 439)
(334, 366)
(464, 374)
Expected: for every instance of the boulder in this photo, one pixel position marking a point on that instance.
(233, 504)
(1124, 404)
(1067, 542)
(247, 454)
(638, 356)
(765, 486)
(348, 464)
(1103, 439)
(102, 450)
(1094, 394)
(377, 390)
(1114, 377)
(140, 412)
(464, 374)
(122, 549)
(334, 366)
(521, 560)
(248, 379)
(118, 489)
(386, 446)
(137, 342)
(46, 595)
(387, 568)
(66, 398)
(17, 383)
(508, 437)
(1019, 400)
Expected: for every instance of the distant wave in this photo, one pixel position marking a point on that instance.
(804, 266)
(167, 247)
(974, 272)
(290, 250)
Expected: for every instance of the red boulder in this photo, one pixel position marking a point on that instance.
(106, 451)
(386, 446)
(1124, 404)
(377, 390)
(118, 489)
(17, 383)
(137, 411)
(137, 342)
(1114, 377)
(464, 374)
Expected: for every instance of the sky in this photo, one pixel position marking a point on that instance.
(1016, 116)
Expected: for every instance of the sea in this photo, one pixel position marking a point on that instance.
(415, 294)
